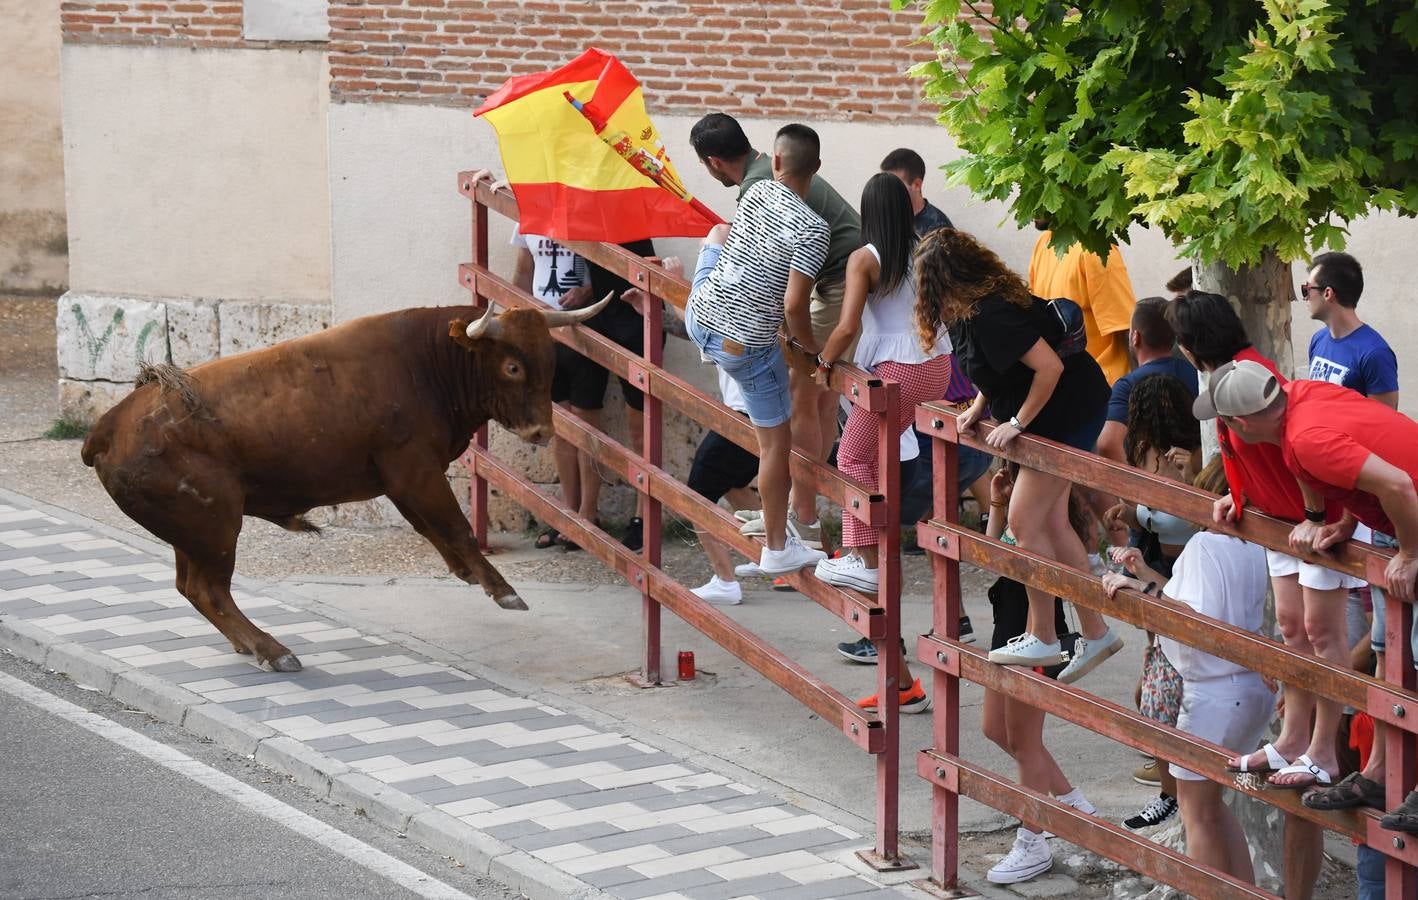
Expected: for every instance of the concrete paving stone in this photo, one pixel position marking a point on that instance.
(672, 799)
(280, 617)
(377, 681)
(740, 887)
(512, 831)
(334, 742)
(87, 638)
(464, 791)
(822, 890)
(228, 729)
(177, 670)
(61, 554)
(555, 837)
(154, 696)
(657, 835)
(558, 790)
(131, 582)
(445, 834)
(381, 748)
(415, 787)
(743, 802)
(470, 751)
(306, 766)
(729, 837)
(157, 612)
(615, 752)
(666, 884)
(143, 609)
(818, 840)
(612, 877)
(354, 648)
(387, 806)
(547, 721)
(66, 608)
(178, 642)
(83, 667)
(464, 681)
(25, 640)
(15, 581)
(629, 794)
(21, 607)
(451, 714)
(117, 643)
(332, 710)
(261, 709)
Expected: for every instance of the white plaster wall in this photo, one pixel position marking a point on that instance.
(32, 245)
(198, 173)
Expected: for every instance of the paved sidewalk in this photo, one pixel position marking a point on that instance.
(546, 801)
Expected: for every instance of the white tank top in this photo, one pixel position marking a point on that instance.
(889, 326)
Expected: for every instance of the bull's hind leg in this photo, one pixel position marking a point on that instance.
(422, 495)
(209, 589)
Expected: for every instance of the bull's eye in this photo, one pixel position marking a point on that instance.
(511, 369)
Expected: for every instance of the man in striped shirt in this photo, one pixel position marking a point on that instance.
(748, 280)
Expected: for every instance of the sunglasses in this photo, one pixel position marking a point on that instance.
(1307, 287)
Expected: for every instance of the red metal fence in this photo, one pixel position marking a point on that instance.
(951, 776)
(877, 618)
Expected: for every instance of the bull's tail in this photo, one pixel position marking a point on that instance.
(172, 379)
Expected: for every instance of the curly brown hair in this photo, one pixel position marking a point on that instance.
(1160, 418)
(953, 272)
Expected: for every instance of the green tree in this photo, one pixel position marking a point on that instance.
(1248, 132)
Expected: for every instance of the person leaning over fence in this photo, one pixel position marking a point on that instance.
(749, 278)
(1351, 453)
(1222, 577)
(1005, 337)
(1152, 342)
(1014, 725)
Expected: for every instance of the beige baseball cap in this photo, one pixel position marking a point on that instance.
(1237, 389)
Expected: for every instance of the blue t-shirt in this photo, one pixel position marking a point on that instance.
(1361, 361)
(1122, 388)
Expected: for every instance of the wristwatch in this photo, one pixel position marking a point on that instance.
(1016, 424)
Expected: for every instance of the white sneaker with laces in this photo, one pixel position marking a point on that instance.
(749, 570)
(1029, 856)
(748, 515)
(791, 558)
(1027, 650)
(1088, 653)
(719, 592)
(849, 572)
(810, 535)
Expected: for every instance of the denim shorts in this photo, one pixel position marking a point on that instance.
(760, 372)
(1377, 639)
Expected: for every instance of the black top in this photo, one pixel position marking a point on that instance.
(929, 219)
(989, 345)
(603, 281)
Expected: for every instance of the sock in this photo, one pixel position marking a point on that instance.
(1073, 797)
(723, 582)
(1030, 835)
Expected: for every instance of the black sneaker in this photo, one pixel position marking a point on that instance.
(634, 537)
(967, 631)
(1160, 810)
(862, 651)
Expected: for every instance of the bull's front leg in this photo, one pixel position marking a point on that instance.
(424, 497)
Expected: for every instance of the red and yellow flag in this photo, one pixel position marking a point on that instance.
(584, 160)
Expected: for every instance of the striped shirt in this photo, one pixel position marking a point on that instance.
(774, 232)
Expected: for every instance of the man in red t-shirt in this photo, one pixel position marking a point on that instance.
(1348, 451)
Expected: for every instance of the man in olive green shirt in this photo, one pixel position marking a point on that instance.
(722, 146)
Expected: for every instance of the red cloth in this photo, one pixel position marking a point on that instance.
(1329, 433)
(1361, 737)
(1257, 473)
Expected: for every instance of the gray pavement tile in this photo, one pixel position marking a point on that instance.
(630, 794)
(487, 788)
(21, 608)
(609, 878)
(464, 717)
(416, 786)
(383, 748)
(514, 830)
(166, 645)
(743, 802)
(521, 794)
(726, 838)
(57, 554)
(469, 750)
(7, 552)
(646, 761)
(674, 800)
(615, 752)
(334, 742)
(68, 607)
(147, 586)
(461, 791)
(17, 581)
(464, 683)
(354, 648)
(559, 836)
(328, 705)
(177, 669)
(131, 582)
(815, 839)
(666, 884)
(379, 680)
(144, 610)
(274, 616)
(39, 529)
(88, 637)
(822, 890)
(339, 712)
(740, 887)
(550, 721)
(657, 835)
(110, 643)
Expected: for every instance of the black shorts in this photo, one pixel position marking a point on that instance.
(719, 466)
(1011, 606)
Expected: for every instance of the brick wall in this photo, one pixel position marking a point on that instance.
(181, 23)
(843, 59)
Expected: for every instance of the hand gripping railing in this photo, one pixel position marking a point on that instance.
(878, 619)
(1392, 702)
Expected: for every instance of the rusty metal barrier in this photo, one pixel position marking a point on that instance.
(1392, 702)
(878, 619)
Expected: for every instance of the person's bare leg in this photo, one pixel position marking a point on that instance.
(590, 478)
(774, 445)
(568, 472)
(1037, 767)
(807, 437)
(635, 424)
(1295, 729)
(718, 555)
(1303, 855)
(1374, 768)
(1214, 837)
(1325, 626)
(1038, 518)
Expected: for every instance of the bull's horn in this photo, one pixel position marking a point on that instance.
(486, 325)
(559, 317)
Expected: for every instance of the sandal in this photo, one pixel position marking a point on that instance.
(1405, 817)
(1274, 762)
(1351, 791)
(547, 539)
(568, 544)
(1303, 766)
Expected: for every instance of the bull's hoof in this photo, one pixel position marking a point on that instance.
(287, 663)
(511, 601)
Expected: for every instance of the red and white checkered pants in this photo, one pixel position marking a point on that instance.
(856, 454)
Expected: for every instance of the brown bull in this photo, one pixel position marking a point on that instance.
(379, 405)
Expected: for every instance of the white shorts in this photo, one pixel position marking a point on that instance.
(1312, 576)
(1233, 712)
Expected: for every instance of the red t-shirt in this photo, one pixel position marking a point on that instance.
(1331, 430)
(1257, 473)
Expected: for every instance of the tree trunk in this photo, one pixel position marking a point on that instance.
(1261, 295)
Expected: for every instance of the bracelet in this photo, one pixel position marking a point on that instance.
(994, 505)
(1314, 515)
(1148, 590)
(823, 365)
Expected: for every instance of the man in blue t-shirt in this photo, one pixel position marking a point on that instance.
(1346, 351)
(1152, 342)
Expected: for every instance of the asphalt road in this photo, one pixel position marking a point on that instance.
(90, 806)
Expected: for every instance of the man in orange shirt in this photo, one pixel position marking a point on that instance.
(1102, 289)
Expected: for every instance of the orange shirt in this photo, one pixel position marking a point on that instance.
(1102, 290)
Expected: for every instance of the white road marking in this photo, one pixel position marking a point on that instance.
(356, 851)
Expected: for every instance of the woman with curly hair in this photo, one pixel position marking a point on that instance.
(1003, 337)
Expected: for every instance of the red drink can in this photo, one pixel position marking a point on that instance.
(686, 665)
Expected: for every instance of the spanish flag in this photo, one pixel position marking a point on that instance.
(584, 160)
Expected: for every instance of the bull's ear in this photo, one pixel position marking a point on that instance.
(458, 331)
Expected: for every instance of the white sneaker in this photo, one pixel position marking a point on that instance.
(1087, 654)
(1029, 856)
(748, 515)
(850, 572)
(1081, 804)
(1027, 650)
(749, 570)
(810, 535)
(791, 558)
(719, 592)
